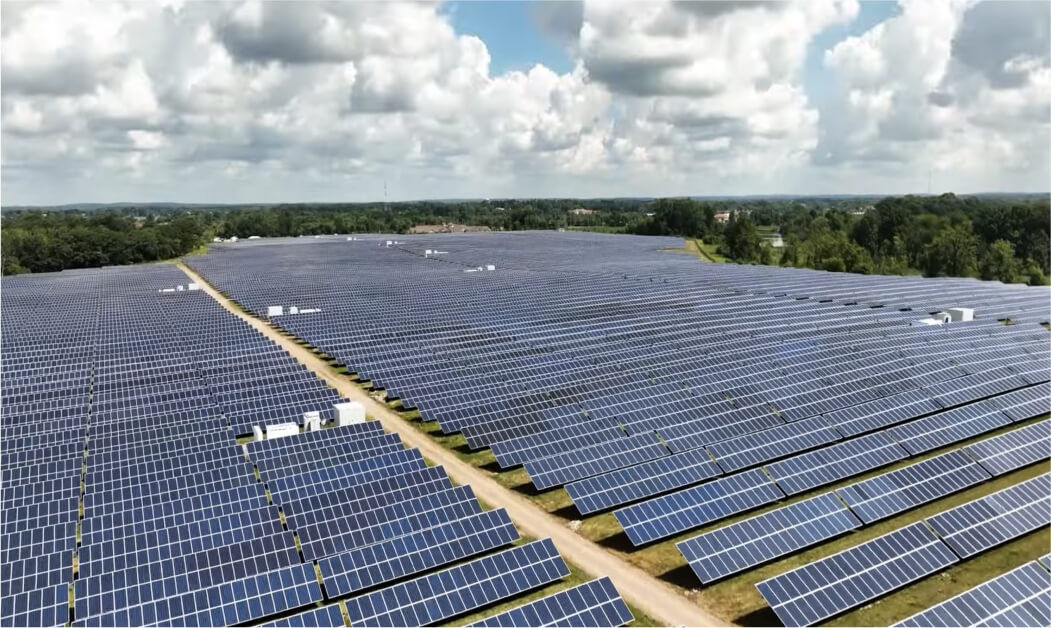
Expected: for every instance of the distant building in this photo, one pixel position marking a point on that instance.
(582, 211)
(774, 240)
(722, 217)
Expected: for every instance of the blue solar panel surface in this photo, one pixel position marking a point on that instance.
(594, 603)
(895, 491)
(454, 591)
(996, 518)
(665, 516)
(753, 541)
(837, 583)
(1020, 597)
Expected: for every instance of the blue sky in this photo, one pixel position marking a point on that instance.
(511, 33)
(248, 101)
(516, 42)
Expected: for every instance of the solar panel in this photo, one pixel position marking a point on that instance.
(534, 446)
(417, 552)
(827, 587)
(593, 460)
(883, 412)
(895, 491)
(323, 617)
(668, 515)
(40, 607)
(1013, 450)
(454, 591)
(756, 540)
(642, 480)
(1046, 560)
(803, 472)
(1025, 403)
(1020, 597)
(775, 442)
(226, 604)
(594, 603)
(948, 427)
(142, 580)
(996, 518)
(336, 535)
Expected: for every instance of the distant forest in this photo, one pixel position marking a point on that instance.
(988, 237)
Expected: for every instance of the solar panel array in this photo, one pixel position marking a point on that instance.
(133, 444)
(675, 393)
(579, 348)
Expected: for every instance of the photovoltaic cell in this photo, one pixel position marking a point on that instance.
(1020, 597)
(454, 591)
(775, 442)
(323, 617)
(882, 412)
(996, 518)
(40, 607)
(1025, 403)
(226, 604)
(535, 446)
(756, 540)
(334, 536)
(593, 460)
(803, 472)
(1012, 450)
(889, 493)
(594, 603)
(417, 552)
(668, 515)
(948, 427)
(837, 583)
(642, 480)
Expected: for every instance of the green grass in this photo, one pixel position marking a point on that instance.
(710, 252)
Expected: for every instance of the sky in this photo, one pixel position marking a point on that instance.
(240, 102)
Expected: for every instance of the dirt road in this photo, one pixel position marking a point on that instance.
(659, 599)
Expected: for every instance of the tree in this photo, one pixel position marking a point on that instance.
(829, 249)
(999, 262)
(790, 251)
(1034, 275)
(953, 251)
(741, 241)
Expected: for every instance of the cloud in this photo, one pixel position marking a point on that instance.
(949, 86)
(320, 100)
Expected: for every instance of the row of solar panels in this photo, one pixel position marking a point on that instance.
(833, 456)
(750, 542)
(837, 583)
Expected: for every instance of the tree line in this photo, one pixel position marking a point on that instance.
(992, 238)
